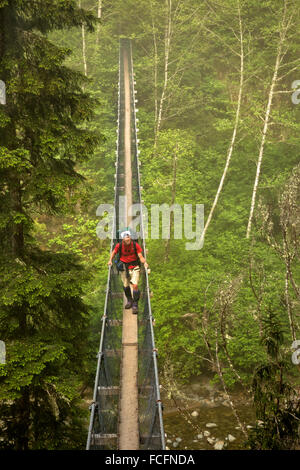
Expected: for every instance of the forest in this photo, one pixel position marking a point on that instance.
(219, 114)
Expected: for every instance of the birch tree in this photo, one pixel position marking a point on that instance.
(236, 124)
(287, 247)
(168, 29)
(175, 156)
(284, 27)
(155, 70)
(99, 16)
(83, 45)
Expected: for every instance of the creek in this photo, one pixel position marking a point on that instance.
(205, 404)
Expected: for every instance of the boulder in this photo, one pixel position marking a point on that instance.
(206, 433)
(231, 438)
(195, 414)
(211, 425)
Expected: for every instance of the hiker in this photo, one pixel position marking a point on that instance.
(130, 257)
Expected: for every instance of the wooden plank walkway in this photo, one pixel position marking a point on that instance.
(128, 407)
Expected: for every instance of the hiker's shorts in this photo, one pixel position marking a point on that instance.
(134, 276)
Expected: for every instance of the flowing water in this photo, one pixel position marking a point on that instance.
(208, 405)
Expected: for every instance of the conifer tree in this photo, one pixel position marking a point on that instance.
(43, 320)
(276, 400)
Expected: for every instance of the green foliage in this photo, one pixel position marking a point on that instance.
(43, 318)
(51, 185)
(198, 116)
(276, 399)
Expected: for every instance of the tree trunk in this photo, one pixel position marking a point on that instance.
(259, 297)
(288, 305)
(83, 46)
(2, 34)
(287, 258)
(99, 16)
(23, 420)
(17, 240)
(155, 71)
(167, 250)
(267, 116)
(237, 118)
(166, 67)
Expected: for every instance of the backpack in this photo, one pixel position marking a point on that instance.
(120, 264)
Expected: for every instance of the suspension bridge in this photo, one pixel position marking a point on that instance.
(126, 410)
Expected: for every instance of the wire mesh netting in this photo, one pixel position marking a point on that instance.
(103, 428)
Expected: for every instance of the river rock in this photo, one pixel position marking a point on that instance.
(178, 439)
(210, 440)
(211, 425)
(219, 445)
(200, 436)
(213, 404)
(231, 438)
(195, 414)
(249, 427)
(175, 444)
(208, 403)
(206, 433)
(226, 403)
(202, 401)
(169, 441)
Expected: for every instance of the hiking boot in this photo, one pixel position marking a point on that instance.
(135, 308)
(127, 292)
(129, 303)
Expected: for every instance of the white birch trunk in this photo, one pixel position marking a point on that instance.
(83, 46)
(166, 68)
(237, 118)
(288, 305)
(267, 117)
(155, 79)
(155, 71)
(99, 16)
